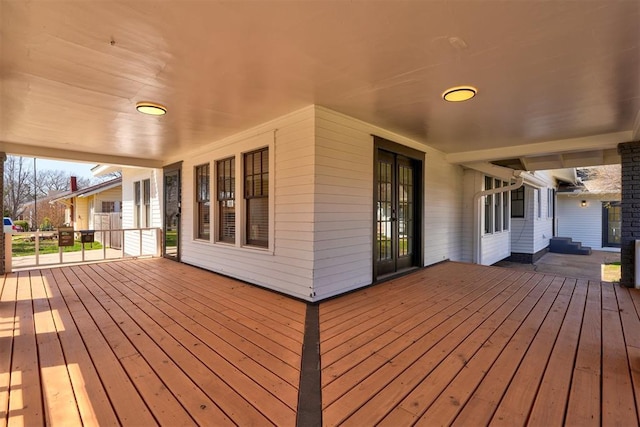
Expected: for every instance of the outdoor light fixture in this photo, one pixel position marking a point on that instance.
(459, 93)
(151, 108)
(583, 204)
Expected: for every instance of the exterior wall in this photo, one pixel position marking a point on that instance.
(321, 187)
(81, 212)
(132, 239)
(531, 234)
(493, 246)
(287, 265)
(582, 224)
(344, 203)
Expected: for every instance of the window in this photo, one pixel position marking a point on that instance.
(146, 187)
(202, 201)
(517, 203)
(550, 202)
(538, 203)
(488, 206)
(256, 193)
(225, 170)
(505, 208)
(497, 202)
(136, 202)
(142, 202)
(108, 207)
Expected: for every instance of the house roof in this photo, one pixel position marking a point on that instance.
(88, 191)
(557, 81)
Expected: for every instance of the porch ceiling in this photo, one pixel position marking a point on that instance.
(547, 73)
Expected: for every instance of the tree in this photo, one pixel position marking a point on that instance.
(602, 178)
(19, 188)
(18, 185)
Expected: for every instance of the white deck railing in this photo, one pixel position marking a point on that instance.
(132, 242)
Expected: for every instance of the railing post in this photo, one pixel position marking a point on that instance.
(8, 252)
(37, 246)
(104, 244)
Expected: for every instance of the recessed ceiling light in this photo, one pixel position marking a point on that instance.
(151, 108)
(459, 93)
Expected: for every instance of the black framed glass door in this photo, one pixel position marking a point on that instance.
(397, 213)
(172, 188)
(611, 224)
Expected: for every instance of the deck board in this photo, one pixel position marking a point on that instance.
(147, 342)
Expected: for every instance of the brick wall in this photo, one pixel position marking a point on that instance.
(630, 156)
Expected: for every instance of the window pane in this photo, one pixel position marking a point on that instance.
(517, 203)
(226, 200)
(258, 221)
(257, 194)
(203, 210)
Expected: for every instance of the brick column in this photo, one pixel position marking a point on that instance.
(630, 156)
(3, 157)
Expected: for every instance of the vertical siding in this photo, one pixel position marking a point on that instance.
(288, 265)
(344, 203)
(581, 224)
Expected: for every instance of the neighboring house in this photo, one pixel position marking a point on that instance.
(590, 213)
(81, 205)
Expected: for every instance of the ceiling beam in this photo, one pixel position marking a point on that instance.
(76, 156)
(588, 143)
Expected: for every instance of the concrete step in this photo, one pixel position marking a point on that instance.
(566, 245)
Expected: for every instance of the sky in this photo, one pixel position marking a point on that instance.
(76, 169)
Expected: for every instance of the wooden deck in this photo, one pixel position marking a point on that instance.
(150, 342)
(465, 345)
(146, 342)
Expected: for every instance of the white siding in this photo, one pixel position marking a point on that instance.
(321, 212)
(493, 246)
(582, 224)
(344, 203)
(287, 266)
(149, 238)
(532, 233)
(522, 229)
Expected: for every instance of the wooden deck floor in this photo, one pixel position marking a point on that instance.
(467, 345)
(150, 342)
(146, 342)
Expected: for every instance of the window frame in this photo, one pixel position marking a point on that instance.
(521, 190)
(222, 199)
(202, 188)
(256, 192)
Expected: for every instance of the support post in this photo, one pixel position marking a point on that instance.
(630, 157)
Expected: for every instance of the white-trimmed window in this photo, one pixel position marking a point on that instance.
(550, 202)
(142, 203)
(517, 202)
(538, 197)
(226, 190)
(136, 204)
(256, 194)
(202, 202)
(496, 206)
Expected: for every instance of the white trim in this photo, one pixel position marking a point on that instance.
(589, 143)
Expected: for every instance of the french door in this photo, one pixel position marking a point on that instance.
(397, 213)
(172, 208)
(611, 224)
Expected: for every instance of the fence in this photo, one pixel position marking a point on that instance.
(107, 222)
(41, 248)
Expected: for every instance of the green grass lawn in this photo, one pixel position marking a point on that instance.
(611, 272)
(24, 248)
